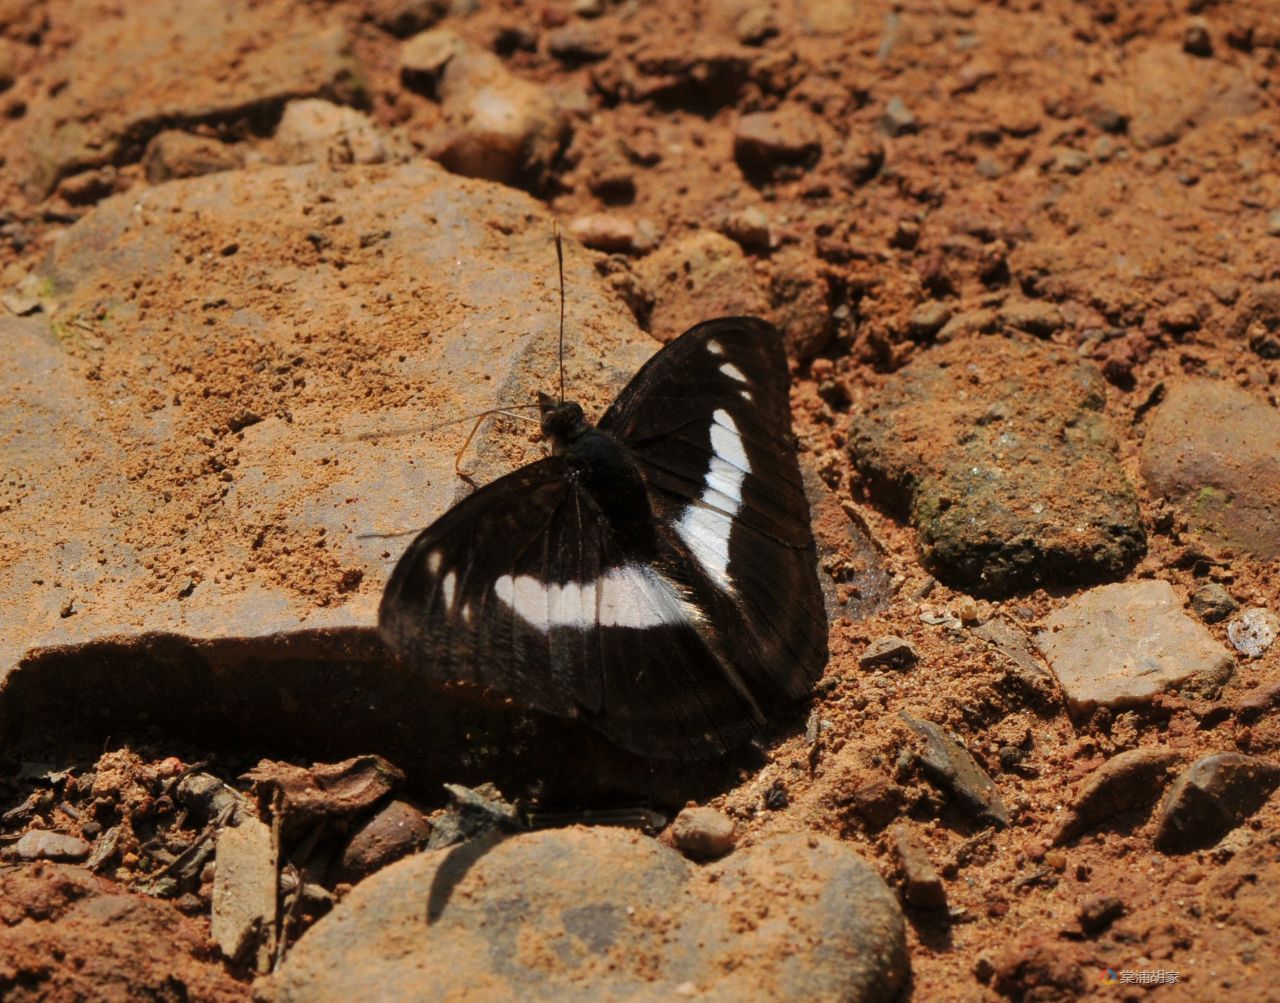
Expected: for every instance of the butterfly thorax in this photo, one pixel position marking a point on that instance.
(600, 464)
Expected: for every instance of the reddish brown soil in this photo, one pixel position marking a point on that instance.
(1150, 246)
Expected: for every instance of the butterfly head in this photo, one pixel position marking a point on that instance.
(561, 420)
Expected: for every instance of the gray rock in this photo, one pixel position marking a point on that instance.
(1004, 464)
(178, 58)
(1253, 631)
(1128, 781)
(1211, 797)
(889, 650)
(424, 57)
(1213, 450)
(1119, 645)
(898, 119)
(1032, 316)
(42, 844)
(1212, 602)
(244, 893)
(949, 765)
(583, 914)
(165, 565)
(703, 833)
(928, 319)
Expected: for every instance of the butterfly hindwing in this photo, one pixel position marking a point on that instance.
(669, 626)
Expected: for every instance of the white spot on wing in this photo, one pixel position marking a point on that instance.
(706, 524)
(433, 561)
(733, 372)
(447, 586)
(715, 348)
(630, 596)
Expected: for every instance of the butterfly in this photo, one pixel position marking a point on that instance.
(654, 577)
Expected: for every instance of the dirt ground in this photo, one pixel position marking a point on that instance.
(1120, 162)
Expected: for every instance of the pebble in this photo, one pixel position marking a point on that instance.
(1126, 782)
(898, 119)
(949, 765)
(173, 154)
(44, 844)
(614, 234)
(1119, 645)
(861, 157)
(1099, 912)
(703, 833)
(528, 917)
(889, 650)
(1196, 40)
(578, 42)
(395, 830)
(424, 57)
(922, 885)
(208, 797)
(1070, 161)
(765, 141)
(312, 130)
(1033, 316)
(1211, 797)
(1213, 451)
(1212, 602)
(244, 892)
(928, 319)
(302, 797)
(1273, 223)
(968, 323)
(1253, 631)
(748, 227)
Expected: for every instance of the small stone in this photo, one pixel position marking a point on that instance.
(898, 119)
(922, 886)
(950, 765)
(1196, 40)
(316, 131)
(756, 25)
(702, 275)
(874, 799)
(396, 830)
(1254, 631)
(302, 797)
(424, 57)
(209, 798)
(749, 227)
(968, 323)
(1117, 646)
(173, 154)
(42, 844)
(1181, 316)
(928, 319)
(1125, 782)
(1099, 912)
(703, 833)
(1033, 316)
(905, 235)
(1069, 161)
(889, 650)
(1273, 223)
(613, 234)
(577, 43)
(1211, 797)
(1212, 602)
(862, 157)
(404, 17)
(766, 141)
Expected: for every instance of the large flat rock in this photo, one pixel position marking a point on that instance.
(1001, 457)
(1214, 451)
(587, 914)
(187, 514)
(132, 70)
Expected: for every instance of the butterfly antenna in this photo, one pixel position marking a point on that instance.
(560, 265)
(424, 429)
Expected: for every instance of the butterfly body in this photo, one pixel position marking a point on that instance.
(655, 576)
